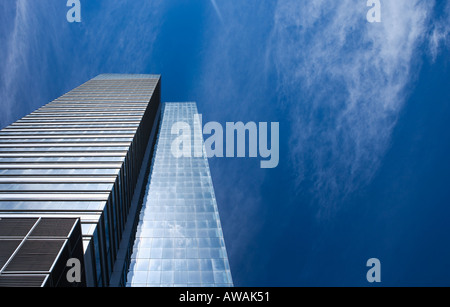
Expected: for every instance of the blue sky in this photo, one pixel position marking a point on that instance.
(363, 109)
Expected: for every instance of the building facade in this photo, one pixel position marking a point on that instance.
(179, 239)
(100, 155)
(84, 156)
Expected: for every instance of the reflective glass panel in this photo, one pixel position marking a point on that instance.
(179, 239)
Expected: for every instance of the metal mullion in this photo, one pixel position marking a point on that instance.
(86, 113)
(68, 129)
(50, 139)
(67, 118)
(19, 123)
(73, 131)
(112, 162)
(110, 114)
(56, 165)
(89, 101)
(64, 154)
(85, 105)
(115, 111)
(59, 179)
(66, 160)
(64, 157)
(53, 196)
(63, 139)
(73, 144)
(77, 150)
(65, 136)
(115, 98)
(70, 107)
(58, 191)
(95, 104)
(74, 172)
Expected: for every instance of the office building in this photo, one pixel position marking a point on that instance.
(98, 158)
(179, 239)
(85, 155)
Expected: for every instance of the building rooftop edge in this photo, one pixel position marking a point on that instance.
(126, 76)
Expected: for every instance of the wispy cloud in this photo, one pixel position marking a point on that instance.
(344, 81)
(29, 45)
(114, 36)
(15, 59)
(120, 35)
(440, 32)
(216, 8)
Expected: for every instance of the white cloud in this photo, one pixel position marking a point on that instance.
(40, 44)
(15, 51)
(216, 8)
(343, 80)
(28, 47)
(440, 33)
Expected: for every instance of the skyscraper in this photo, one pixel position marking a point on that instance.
(179, 240)
(89, 156)
(85, 155)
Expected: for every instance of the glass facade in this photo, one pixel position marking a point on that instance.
(101, 155)
(179, 239)
(80, 156)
